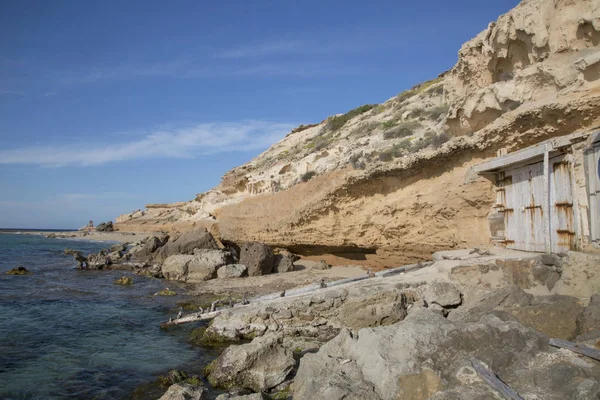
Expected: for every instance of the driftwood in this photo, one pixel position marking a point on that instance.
(491, 379)
(214, 311)
(576, 348)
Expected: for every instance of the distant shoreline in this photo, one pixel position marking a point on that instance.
(117, 236)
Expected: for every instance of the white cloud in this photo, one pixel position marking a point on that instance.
(201, 139)
(265, 49)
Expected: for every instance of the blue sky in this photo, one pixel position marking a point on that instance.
(107, 106)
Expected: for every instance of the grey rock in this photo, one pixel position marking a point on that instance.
(283, 263)
(258, 257)
(105, 227)
(147, 251)
(588, 321)
(118, 247)
(260, 365)
(232, 271)
(322, 265)
(252, 396)
(551, 260)
(387, 355)
(98, 260)
(379, 309)
(442, 293)
(183, 391)
(186, 243)
(200, 266)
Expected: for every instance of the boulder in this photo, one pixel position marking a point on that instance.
(232, 271)
(260, 365)
(444, 294)
(183, 391)
(251, 396)
(147, 251)
(186, 243)
(78, 256)
(588, 322)
(205, 263)
(321, 265)
(200, 266)
(258, 257)
(283, 263)
(118, 247)
(105, 227)
(175, 268)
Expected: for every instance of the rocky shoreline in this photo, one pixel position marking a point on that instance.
(419, 334)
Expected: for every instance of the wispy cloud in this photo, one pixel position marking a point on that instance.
(294, 47)
(195, 71)
(10, 92)
(265, 49)
(201, 139)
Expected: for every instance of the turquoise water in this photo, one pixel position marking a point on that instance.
(69, 334)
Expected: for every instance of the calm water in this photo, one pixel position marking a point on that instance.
(74, 334)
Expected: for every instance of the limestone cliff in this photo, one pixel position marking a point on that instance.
(390, 183)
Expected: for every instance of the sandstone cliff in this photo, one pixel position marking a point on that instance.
(390, 183)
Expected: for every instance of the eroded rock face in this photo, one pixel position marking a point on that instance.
(183, 391)
(420, 352)
(259, 365)
(588, 322)
(258, 257)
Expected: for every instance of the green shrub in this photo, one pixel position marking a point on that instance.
(407, 94)
(355, 161)
(404, 129)
(337, 122)
(386, 155)
(389, 124)
(307, 176)
(364, 129)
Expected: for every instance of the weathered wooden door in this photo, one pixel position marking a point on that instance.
(593, 169)
(523, 212)
(562, 231)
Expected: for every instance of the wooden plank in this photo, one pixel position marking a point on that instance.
(195, 317)
(576, 348)
(492, 379)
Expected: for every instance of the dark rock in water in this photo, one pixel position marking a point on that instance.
(124, 280)
(105, 227)
(258, 257)
(20, 270)
(283, 263)
(78, 256)
(166, 292)
(99, 260)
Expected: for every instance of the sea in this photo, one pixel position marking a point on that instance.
(74, 334)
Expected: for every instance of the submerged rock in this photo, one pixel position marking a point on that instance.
(20, 270)
(124, 280)
(166, 292)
